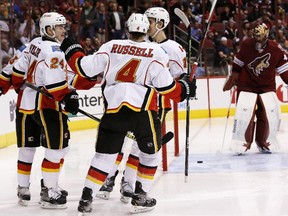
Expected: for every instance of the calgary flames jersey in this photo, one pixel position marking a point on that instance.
(43, 65)
(177, 65)
(6, 73)
(133, 73)
(257, 70)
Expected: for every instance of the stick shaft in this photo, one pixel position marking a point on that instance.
(227, 118)
(35, 88)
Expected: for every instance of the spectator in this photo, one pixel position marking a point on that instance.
(6, 50)
(224, 55)
(196, 31)
(279, 25)
(4, 29)
(255, 14)
(88, 20)
(231, 32)
(36, 15)
(88, 47)
(226, 14)
(101, 23)
(116, 23)
(3, 11)
(24, 34)
(96, 43)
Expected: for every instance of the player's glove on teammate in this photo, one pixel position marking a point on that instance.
(188, 87)
(71, 102)
(70, 46)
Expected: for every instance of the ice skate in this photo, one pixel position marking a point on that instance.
(64, 192)
(24, 195)
(140, 201)
(264, 150)
(126, 191)
(52, 198)
(263, 147)
(107, 188)
(85, 203)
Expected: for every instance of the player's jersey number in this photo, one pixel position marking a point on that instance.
(128, 71)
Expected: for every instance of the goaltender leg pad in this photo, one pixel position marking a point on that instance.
(273, 113)
(245, 111)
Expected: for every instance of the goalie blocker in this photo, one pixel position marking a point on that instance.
(266, 109)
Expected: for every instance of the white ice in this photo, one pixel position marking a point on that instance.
(238, 188)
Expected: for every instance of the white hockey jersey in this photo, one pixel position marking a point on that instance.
(43, 64)
(6, 73)
(133, 73)
(177, 65)
(177, 57)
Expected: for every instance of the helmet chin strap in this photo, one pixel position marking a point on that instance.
(54, 35)
(156, 32)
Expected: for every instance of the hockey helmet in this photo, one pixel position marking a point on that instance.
(261, 34)
(160, 14)
(50, 19)
(138, 23)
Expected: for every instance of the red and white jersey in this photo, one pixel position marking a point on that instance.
(6, 73)
(257, 70)
(44, 66)
(177, 57)
(133, 72)
(177, 65)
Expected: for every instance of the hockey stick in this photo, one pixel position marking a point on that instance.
(191, 72)
(227, 118)
(165, 139)
(51, 97)
(185, 20)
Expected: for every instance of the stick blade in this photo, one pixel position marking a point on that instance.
(167, 137)
(182, 16)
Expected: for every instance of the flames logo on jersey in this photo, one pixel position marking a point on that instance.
(259, 64)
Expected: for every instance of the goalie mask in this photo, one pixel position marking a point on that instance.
(51, 19)
(261, 34)
(138, 23)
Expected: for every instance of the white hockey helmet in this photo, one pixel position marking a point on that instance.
(160, 14)
(138, 23)
(50, 19)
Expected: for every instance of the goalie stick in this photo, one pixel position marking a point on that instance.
(165, 139)
(191, 72)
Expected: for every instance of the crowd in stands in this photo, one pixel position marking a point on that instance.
(93, 22)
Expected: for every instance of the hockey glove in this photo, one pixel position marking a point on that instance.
(70, 46)
(188, 87)
(71, 102)
(1, 91)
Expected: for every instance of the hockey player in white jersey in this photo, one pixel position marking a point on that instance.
(177, 64)
(134, 71)
(27, 131)
(44, 66)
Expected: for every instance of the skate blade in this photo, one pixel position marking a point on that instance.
(140, 209)
(103, 195)
(83, 213)
(47, 205)
(124, 199)
(23, 202)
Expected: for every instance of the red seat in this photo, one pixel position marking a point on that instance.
(230, 43)
(219, 27)
(209, 44)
